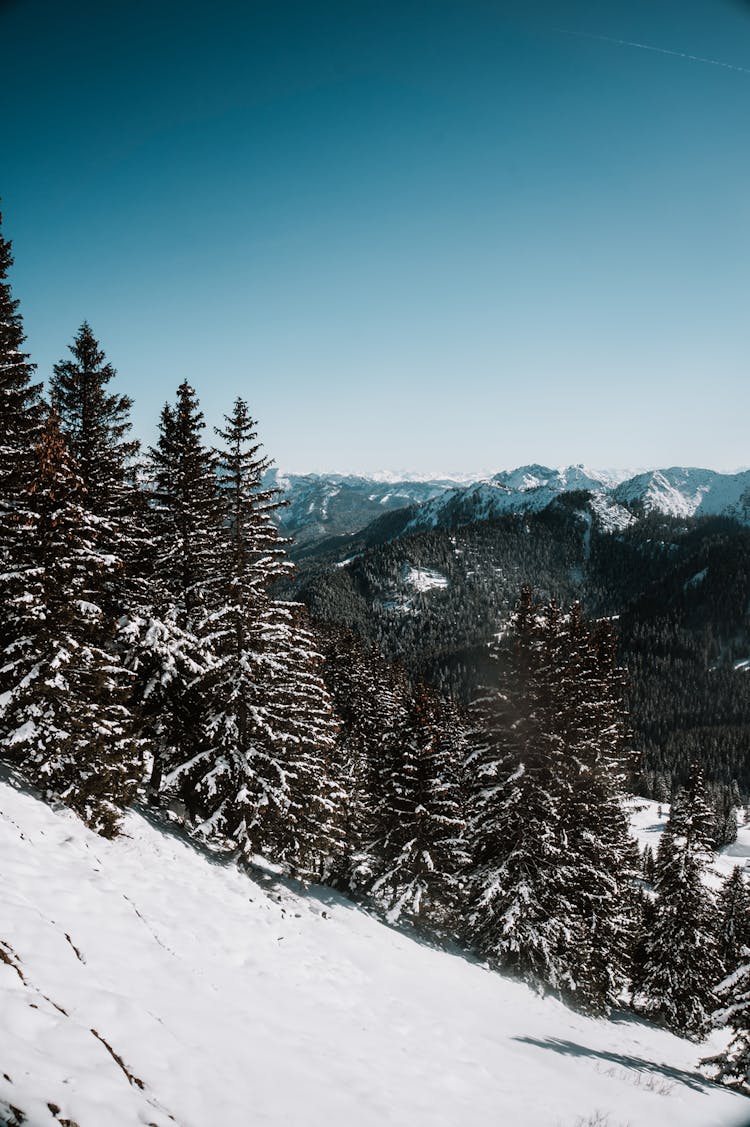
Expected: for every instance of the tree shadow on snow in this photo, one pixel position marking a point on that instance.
(692, 1080)
(281, 886)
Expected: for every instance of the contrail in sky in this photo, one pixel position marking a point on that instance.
(658, 50)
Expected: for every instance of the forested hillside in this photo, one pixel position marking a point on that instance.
(680, 588)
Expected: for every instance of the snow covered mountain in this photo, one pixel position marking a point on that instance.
(142, 982)
(322, 505)
(326, 505)
(684, 492)
(528, 488)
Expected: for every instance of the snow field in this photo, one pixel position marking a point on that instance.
(647, 828)
(241, 1003)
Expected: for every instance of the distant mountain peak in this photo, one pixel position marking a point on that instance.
(324, 505)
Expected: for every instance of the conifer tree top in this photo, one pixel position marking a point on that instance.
(95, 421)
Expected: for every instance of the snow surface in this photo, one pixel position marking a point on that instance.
(611, 516)
(647, 828)
(221, 1001)
(685, 492)
(424, 578)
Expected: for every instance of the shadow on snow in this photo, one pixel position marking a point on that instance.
(692, 1080)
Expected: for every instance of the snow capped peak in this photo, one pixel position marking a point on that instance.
(682, 491)
(524, 477)
(562, 479)
(677, 491)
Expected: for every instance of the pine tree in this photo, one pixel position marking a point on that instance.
(681, 963)
(165, 662)
(520, 906)
(66, 724)
(167, 633)
(20, 422)
(648, 864)
(185, 510)
(554, 867)
(95, 423)
(310, 837)
(643, 915)
(263, 774)
(732, 1066)
(369, 700)
(420, 848)
(20, 417)
(590, 711)
(733, 919)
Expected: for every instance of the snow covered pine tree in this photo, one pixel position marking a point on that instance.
(95, 423)
(369, 700)
(167, 632)
(681, 961)
(420, 851)
(551, 861)
(520, 899)
(733, 919)
(732, 1066)
(20, 423)
(65, 720)
(262, 775)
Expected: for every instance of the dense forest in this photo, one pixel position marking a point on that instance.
(680, 591)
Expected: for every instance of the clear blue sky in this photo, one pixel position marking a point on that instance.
(450, 234)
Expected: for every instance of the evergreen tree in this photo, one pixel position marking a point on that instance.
(590, 712)
(263, 774)
(733, 916)
(732, 1066)
(521, 906)
(185, 511)
(648, 864)
(643, 915)
(165, 661)
(420, 849)
(96, 424)
(167, 633)
(20, 418)
(681, 963)
(19, 432)
(310, 836)
(554, 865)
(66, 724)
(369, 699)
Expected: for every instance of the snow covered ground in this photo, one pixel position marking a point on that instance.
(142, 982)
(648, 827)
(424, 578)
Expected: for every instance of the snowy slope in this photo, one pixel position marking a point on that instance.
(322, 505)
(526, 489)
(686, 492)
(648, 827)
(220, 1003)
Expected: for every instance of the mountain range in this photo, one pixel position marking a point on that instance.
(329, 505)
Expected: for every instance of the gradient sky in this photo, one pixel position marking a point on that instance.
(436, 236)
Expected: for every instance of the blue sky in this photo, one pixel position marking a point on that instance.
(447, 235)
